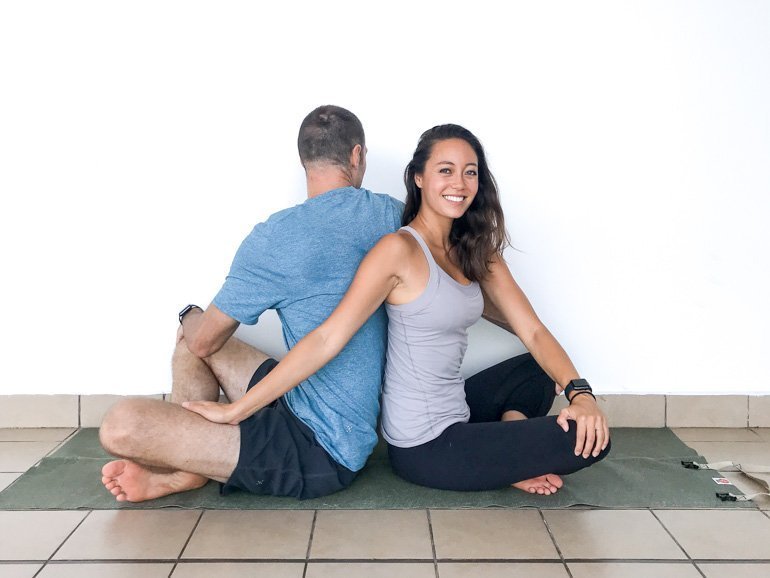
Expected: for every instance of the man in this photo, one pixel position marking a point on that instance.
(311, 441)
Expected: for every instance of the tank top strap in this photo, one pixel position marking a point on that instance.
(428, 255)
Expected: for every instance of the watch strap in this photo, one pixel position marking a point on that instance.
(186, 310)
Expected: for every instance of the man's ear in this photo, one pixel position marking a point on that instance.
(356, 156)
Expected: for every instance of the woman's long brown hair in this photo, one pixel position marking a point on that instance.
(480, 233)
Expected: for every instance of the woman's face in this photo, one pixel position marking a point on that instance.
(450, 180)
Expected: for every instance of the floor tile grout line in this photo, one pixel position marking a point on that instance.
(369, 560)
(673, 561)
(396, 561)
(73, 433)
(126, 561)
(62, 543)
(58, 444)
(48, 441)
(432, 542)
(555, 545)
(181, 552)
(309, 543)
(115, 561)
(748, 410)
(670, 533)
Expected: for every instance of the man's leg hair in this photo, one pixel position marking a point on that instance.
(167, 449)
(234, 365)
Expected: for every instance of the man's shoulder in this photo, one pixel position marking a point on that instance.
(376, 206)
(277, 222)
(387, 199)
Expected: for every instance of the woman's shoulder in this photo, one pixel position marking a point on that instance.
(394, 250)
(401, 243)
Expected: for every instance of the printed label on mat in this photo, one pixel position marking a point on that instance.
(722, 481)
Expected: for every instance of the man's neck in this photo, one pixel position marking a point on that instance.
(322, 180)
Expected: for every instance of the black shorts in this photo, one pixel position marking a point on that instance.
(280, 456)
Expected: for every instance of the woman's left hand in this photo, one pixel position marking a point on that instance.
(593, 433)
(213, 411)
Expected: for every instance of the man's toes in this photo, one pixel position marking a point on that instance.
(109, 484)
(113, 469)
(116, 490)
(121, 497)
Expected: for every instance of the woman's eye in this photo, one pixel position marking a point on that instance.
(445, 171)
(471, 173)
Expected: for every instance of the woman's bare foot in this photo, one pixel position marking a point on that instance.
(543, 485)
(130, 482)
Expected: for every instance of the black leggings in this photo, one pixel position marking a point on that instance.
(487, 453)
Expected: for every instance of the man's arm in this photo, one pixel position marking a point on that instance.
(205, 332)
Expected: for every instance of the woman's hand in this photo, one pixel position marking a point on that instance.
(593, 433)
(215, 412)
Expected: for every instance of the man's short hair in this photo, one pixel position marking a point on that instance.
(328, 135)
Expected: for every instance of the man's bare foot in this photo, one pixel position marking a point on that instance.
(543, 485)
(130, 482)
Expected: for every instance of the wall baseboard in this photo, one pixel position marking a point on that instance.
(680, 411)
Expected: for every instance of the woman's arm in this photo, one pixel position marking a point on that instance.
(494, 315)
(507, 297)
(377, 275)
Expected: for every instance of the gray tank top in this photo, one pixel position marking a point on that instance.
(424, 393)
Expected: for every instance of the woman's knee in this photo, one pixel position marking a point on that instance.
(571, 462)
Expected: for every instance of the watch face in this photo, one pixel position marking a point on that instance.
(579, 385)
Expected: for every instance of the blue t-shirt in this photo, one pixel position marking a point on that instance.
(300, 262)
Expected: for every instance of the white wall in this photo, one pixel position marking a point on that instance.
(140, 142)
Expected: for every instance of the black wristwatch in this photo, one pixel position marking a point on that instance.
(186, 310)
(578, 386)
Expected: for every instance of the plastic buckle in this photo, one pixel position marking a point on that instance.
(726, 497)
(690, 465)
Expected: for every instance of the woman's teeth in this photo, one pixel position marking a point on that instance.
(454, 198)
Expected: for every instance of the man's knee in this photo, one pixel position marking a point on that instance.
(181, 351)
(120, 425)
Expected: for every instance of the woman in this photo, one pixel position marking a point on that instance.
(436, 276)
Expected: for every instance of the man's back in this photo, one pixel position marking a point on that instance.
(300, 262)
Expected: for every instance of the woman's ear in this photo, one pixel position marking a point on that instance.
(418, 181)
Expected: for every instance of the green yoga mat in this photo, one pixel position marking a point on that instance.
(643, 470)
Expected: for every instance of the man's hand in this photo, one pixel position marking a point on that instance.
(593, 433)
(213, 411)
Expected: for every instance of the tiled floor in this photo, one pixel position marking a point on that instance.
(385, 543)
